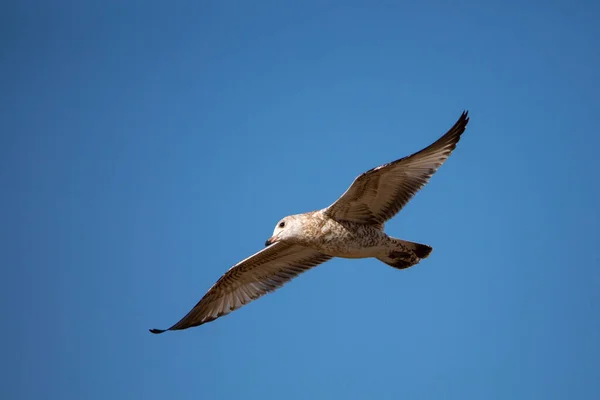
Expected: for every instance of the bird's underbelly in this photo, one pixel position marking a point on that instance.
(350, 251)
(360, 242)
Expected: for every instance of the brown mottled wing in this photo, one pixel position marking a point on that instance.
(261, 273)
(380, 193)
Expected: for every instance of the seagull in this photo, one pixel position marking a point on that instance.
(352, 227)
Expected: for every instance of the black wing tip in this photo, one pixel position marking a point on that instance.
(464, 117)
(459, 127)
(178, 327)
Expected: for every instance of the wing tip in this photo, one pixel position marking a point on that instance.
(179, 326)
(464, 117)
(457, 129)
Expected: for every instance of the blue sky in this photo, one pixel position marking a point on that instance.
(148, 147)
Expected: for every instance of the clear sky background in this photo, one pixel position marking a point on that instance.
(146, 148)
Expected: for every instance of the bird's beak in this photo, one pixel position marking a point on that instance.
(270, 241)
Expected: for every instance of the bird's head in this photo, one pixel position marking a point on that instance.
(287, 229)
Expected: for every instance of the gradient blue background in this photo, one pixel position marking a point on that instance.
(148, 147)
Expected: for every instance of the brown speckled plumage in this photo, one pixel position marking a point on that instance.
(352, 227)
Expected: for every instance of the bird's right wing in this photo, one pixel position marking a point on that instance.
(261, 273)
(380, 193)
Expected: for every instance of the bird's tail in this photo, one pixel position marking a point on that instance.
(404, 254)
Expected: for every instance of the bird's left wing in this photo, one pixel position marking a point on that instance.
(261, 273)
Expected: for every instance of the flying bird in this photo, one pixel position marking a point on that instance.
(352, 227)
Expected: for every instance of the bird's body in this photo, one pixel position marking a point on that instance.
(352, 227)
(339, 238)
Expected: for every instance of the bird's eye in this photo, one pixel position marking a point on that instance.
(281, 224)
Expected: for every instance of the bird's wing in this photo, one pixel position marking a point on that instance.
(380, 193)
(261, 273)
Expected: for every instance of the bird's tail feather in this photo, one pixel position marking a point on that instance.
(405, 254)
